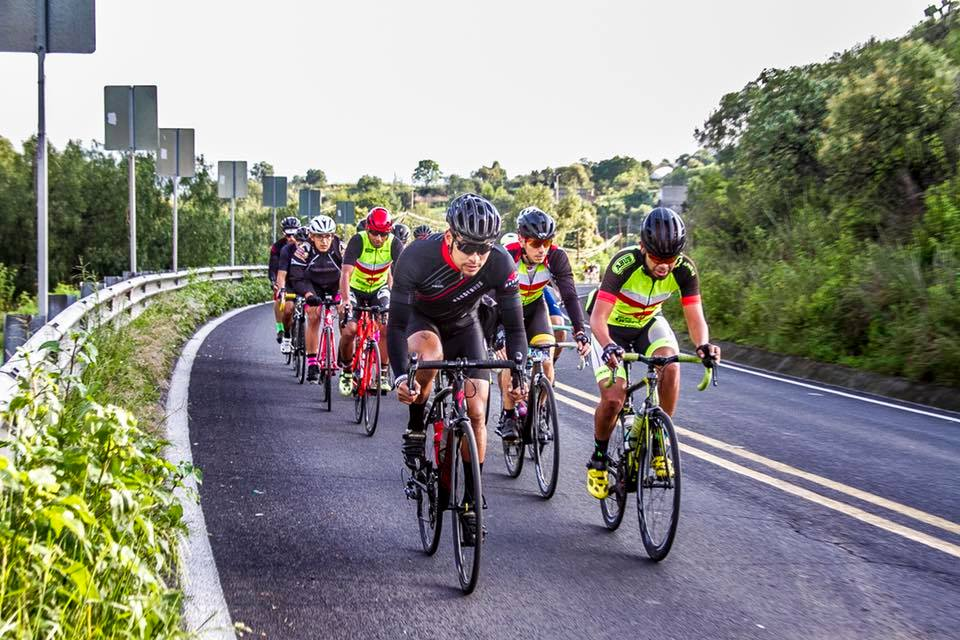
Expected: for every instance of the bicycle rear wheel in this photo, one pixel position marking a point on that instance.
(371, 398)
(658, 490)
(429, 506)
(546, 442)
(613, 506)
(513, 452)
(466, 558)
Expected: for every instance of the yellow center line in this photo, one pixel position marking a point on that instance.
(854, 512)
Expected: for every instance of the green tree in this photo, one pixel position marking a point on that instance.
(494, 175)
(316, 177)
(260, 170)
(426, 173)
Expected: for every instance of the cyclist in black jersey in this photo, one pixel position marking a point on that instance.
(437, 287)
(283, 268)
(281, 315)
(315, 272)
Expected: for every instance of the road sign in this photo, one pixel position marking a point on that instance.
(232, 179)
(274, 191)
(70, 26)
(346, 213)
(42, 27)
(175, 157)
(130, 118)
(309, 202)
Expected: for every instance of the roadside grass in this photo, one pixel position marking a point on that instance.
(88, 515)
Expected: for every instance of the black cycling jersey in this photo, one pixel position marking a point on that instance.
(315, 272)
(286, 254)
(275, 249)
(426, 283)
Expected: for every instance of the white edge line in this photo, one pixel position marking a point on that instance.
(841, 393)
(891, 505)
(787, 487)
(204, 607)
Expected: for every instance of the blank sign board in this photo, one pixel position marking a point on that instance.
(175, 157)
(130, 118)
(309, 202)
(232, 179)
(345, 212)
(274, 191)
(71, 27)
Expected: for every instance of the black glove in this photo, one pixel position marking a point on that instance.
(581, 337)
(705, 353)
(311, 300)
(613, 352)
(500, 340)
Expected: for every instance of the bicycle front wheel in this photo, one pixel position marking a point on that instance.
(613, 506)
(327, 367)
(546, 438)
(466, 556)
(658, 490)
(358, 391)
(371, 395)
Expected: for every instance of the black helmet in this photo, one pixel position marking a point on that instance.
(534, 223)
(422, 231)
(303, 234)
(474, 218)
(362, 225)
(290, 224)
(663, 233)
(401, 232)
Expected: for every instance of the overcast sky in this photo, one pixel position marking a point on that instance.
(363, 86)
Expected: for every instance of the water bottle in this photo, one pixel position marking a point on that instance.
(437, 436)
(629, 433)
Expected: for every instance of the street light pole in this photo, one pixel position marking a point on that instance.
(43, 277)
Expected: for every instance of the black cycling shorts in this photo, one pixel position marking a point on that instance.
(380, 297)
(461, 340)
(536, 319)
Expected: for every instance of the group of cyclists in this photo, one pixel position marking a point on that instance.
(473, 288)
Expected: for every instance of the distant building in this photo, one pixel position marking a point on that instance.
(674, 197)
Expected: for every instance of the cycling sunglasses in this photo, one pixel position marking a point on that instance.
(667, 261)
(379, 234)
(536, 243)
(469, 248)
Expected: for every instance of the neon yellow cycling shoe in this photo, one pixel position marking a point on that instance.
(385, 386)
(597, 482)
(662, 467)
(346, 383)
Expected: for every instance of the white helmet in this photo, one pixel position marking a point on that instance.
(509, 238)
(322, 224)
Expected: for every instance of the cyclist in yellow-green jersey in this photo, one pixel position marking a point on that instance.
(625, 314)
(367, 275)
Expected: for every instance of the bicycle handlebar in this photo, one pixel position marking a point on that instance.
(709, 373)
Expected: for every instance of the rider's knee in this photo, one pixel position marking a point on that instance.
(670, 374)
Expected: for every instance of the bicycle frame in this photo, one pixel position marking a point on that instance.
(328, 363)
(368, 331)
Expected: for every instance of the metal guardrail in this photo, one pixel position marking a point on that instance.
(122, 301)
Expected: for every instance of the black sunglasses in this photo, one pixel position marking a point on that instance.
(481, 248)
(379, 234)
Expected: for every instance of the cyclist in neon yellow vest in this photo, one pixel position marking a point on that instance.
(539, 262)
(625, 315)
(367, 275)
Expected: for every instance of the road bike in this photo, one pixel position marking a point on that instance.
(539, 430)
(646, 457)
(327, 354)
(438, 483)
(366, 367)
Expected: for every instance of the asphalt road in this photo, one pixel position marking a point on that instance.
(805, 515)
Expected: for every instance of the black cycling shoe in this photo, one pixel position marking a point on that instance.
(279, 336)
(508, 429)
(413, 447)
(313, 373)
(468, 527)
